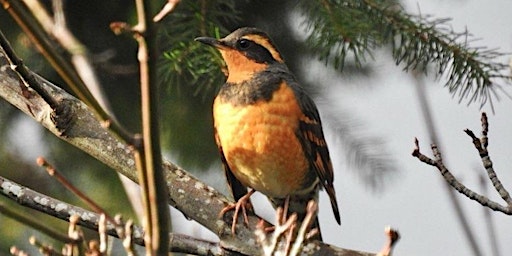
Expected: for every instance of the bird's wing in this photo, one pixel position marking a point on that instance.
(313, 142)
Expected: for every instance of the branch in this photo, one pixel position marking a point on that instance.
(356, 27)
(19, 11)
(481, 146)
(168, 8)
(79, 127)
(29, 220)
(147, 154)
(62, 210)
(78, 52)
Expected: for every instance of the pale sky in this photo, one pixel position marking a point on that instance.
(415, 202)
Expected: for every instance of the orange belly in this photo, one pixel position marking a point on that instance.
(260, 144)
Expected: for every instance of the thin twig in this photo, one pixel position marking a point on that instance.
(392, 236)
(481, 146)
(127, 241)
(284, 226)
(157, 216)
(17, 252)
(417, 153)
(62, 210)
(461, 188)
(44, 249)
(68, 185)
(75, 232)
(168, 8)
(58, 29)
(430, 123)
(102, 231)
(302, 234)
(485, 130)
(36, 34)
(28, 77)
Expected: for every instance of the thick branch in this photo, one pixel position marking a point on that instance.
(79, 127)
(54, 207)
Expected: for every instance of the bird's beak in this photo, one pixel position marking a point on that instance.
(211, 41)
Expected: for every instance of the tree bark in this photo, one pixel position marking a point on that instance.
(72, 121)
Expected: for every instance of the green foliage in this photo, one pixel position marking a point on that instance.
(190, 73)
(358, 27)
(185, 62)
(338, 28)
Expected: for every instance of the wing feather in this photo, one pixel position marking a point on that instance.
(315, 147)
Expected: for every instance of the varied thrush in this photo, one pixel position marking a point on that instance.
(267, 128)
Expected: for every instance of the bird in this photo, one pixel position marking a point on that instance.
(267, 129)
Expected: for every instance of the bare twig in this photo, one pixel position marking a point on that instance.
(17, 252)
(76, 233)
(283, 240)
(154, 189)
(102, 231)
(393, 236)
(56, 208)
(58, 29)
(272, 244)
(81, 62)
(28, 77)
(168, 8)
(36, 33)
(68, 185)
(303, 233)
(481, 145)
(423, 158)
(429, 121)
(44, 249)
(461, 188)
(127, 241)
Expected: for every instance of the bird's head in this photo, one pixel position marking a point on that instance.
(246, 51)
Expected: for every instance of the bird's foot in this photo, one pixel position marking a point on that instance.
(242, 203)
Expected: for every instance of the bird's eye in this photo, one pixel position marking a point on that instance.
(244, 44)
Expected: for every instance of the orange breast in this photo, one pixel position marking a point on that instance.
(260, 144)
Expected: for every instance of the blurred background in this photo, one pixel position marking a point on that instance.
(371, 113)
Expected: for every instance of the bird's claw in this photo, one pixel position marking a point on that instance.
(242, 203)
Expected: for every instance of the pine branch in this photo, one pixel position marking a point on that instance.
(337, 29)
(185, 62)
(354, 27)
